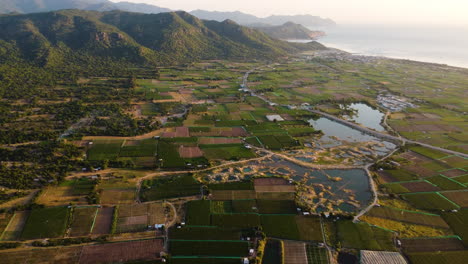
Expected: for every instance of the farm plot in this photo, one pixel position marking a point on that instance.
(15, 226)
(276, 195)
(73, 191)
(432, 244)
(4, 220)
(455, 161)
(439, 257)
(270, 181)
(204, 233)
(364, 236)
(459, 197)
(82, 220)
(103, 221)
(408, 216)
(446, 183)
(453, 173)
(108, 149)
(62, 255)
(377, 257)
(208, 248)
(280, 226)
(122, 252)
(198, 213)
(229, 152)
(236, 220)
(190, 152)
(244, 206)
(222, 195)
(309, 228)
(430, 201)
(276, 207)
(273, 253)
(218, 140)
(316, 255)
(132, 218)
(204, 260)
(457, 221)
(276, 188)
(163, 188)
(139, 148)
(422, 186)
(294, 253)
(46, 222)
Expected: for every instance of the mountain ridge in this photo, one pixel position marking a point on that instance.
(69, 37)
(289, 30)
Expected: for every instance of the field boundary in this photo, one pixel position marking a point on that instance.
(94, 220)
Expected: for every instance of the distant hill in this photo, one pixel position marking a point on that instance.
(35, 6)
(246, 19)
(289, 30)
(75, 37)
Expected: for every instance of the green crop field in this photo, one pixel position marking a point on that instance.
(309, 228)
(458, 222)
(430, 153)
(408, 216)
(447, 257)
(316, 255)
(236, 220)
(446, 183)
(240, 185)
(230, 152)
(280, 226)
(221, 207)
(203, 260)
(141, 148)
(244, 206)
(430, 201)
(46, 222)
(276, 207)
(176, 186)
(81, 186)
(82, 220)
(204, 233)
(208, 248)
(105, 149)
(198, 213)
(364, 236)
(273, 253)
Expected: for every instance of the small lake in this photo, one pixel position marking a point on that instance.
(366, 116)
(334, 132)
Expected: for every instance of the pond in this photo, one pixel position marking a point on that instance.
(366, 116)
(334, 133)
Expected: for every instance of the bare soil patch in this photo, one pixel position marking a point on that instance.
(103, 221)
(454, 173)
(420, 187)
(270, 181)
(460, 198)
(219, 140)
(294, 252)
(275, 188)
(122, 252)
(190, 152)
(434, 244)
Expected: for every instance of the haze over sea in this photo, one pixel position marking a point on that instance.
(438, 44)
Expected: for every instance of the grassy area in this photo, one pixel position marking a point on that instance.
(458, 222)
(430, 201)
(364, 236)
(105, 149)
(205, 233)
(230, 152)
(236, 220)
(280, 226)
(162, 188)
(273, 253)
(46, 222)
(438, 257)
(82, 220)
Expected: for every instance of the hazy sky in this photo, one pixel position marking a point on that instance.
(342, 11)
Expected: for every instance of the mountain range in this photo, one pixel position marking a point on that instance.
(34, 6)
(70, 37)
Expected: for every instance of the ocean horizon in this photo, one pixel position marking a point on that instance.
(436, 44)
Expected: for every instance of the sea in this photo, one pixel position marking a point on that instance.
(437, 44)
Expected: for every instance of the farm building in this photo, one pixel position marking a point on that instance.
(376, 257)
(273, 118)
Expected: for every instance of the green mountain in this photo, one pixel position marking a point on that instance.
(72, 37)
(289, 30)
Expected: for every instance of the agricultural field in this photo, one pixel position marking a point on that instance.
(376, 257)
(163, 188)
(406, 216)
(273, 253)
(205, 233)
(364, 236)
(430, 201)
(294, 252)
(49, 255)
(458, 197)
(46, 223)
(457, 221)
(432, 244)
(71, 191)
(280, 226)
(438, 257)
(83, 219)
(139, 250)
(209, 248)
(15, 226)
(102, 224)
(137, 217)
(316, 255)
